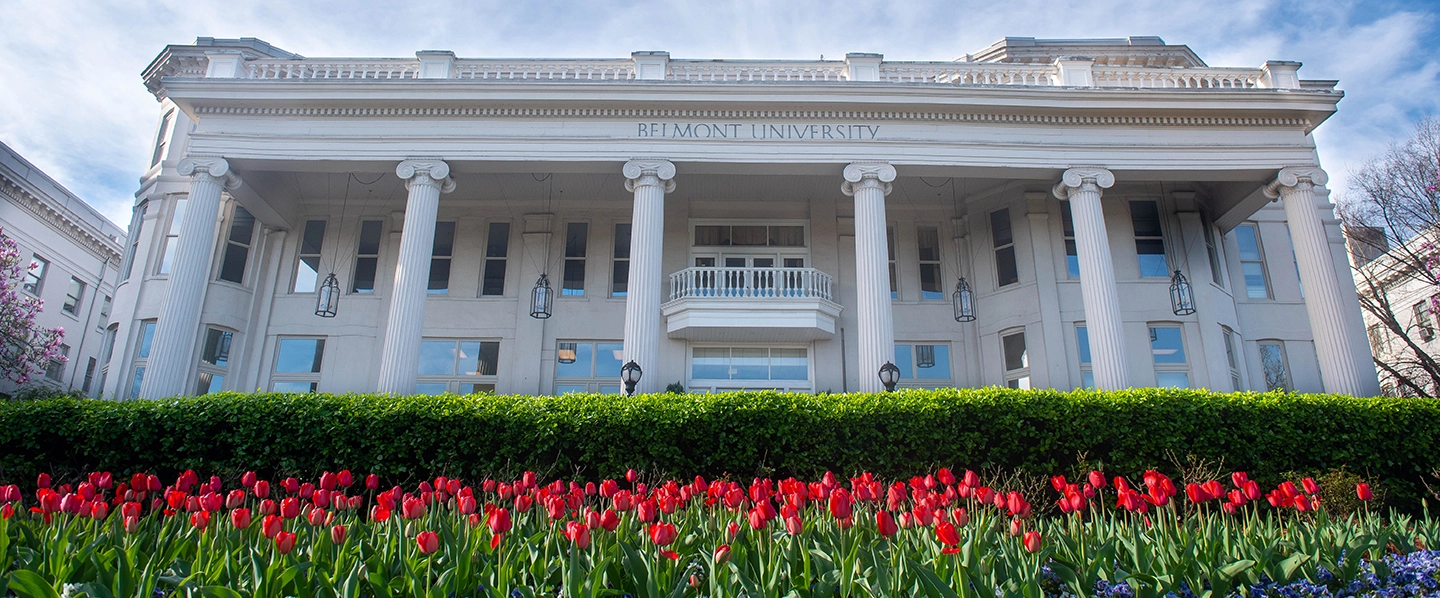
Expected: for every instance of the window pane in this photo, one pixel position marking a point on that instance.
(710, 363)
(147, 335)
(217, 347)
(561, 389)
(1072, 259)
(622, 241)
(1272, 359)
(607, 389)
(620, 278)
(1067, 220)
(370, 237)
(577, 239)
(574, 282)
(364, 275)
(232, 266)
(749, 236)
(1249, 244)
(1005, 266)
(607, 359)
(1015, 356)
(787, 236)
(480, 358)
(307, 273)
(712, 236)
(1082, 342)
(789, 364)
(430, 388)
(293, 387)
(1145, 216)
(1087, 379)
(208, 383)
(938, 359)
(437, 358)
(1000, 227)
(135, 383)
(439, 283)
(470, 389)
(749, 364)
(242, 225)
(1166, 345)
(573, 360)
(1255, 280)
(300, 355)
(905, 361)
(444, 244)
(314, 237)
(1172, 380)
(928, 239)
(1151, 253)
(930, 282)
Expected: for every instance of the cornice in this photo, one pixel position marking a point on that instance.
(864, 115)
(47, 213)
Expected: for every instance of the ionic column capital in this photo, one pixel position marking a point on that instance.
(867, 175)
(426, 171)
(214, 167)
(1296, 176)
(1092, 178)
(649, 172)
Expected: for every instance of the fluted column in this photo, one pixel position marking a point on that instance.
(171, 351)
(400, 356)
(1082, 187)
(1341, 369)
(649, 180)
(869, 183)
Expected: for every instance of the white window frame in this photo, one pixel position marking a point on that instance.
(436, 257)
(594, 383)
(300, 256)
(1233, 356)
(142, 357)
(1067, 239)
(1170, 368)
(503, 260)
(616, 261)
(1214, 249)
(717, 385)
(37, 285)
(55, 370)
(105, 306)
(379, 249)
(74, 296)
(228, 244)
(1164, 245)
(1422, 320)
(207, 370)
(1017, 377)
(313, 377)
(455, 381)
(175, 216)
(1084, 356)
(1260, 251)
(997, 247)
(1289, 382)
(719, 252)
(567, 259)
(937, 263)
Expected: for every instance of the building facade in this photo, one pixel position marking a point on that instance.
(75, 252)
(730, 224)
(1404, 310)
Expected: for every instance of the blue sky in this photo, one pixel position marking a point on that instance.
(71, 99)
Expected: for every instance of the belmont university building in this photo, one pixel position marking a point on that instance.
(1044, 213)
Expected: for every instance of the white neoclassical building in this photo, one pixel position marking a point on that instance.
(75, 252)
(732, 224)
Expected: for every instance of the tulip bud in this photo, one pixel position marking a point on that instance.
(132, 524)
(1362, 491)
(262, 489)
(372, 482)
(1032, 541)
(337, 535)
(285, 542)
(428, 542)
(240, 518)
(1310, 486)
(248, 479)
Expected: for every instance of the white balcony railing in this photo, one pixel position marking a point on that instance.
(783, 283)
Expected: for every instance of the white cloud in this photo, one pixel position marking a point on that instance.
(72, 102)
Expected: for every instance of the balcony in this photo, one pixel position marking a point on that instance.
(750, 305)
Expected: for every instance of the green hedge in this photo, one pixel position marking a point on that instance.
(1394, 442)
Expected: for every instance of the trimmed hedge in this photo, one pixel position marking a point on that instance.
(1394, 442)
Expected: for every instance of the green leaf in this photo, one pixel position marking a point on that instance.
(28, 584)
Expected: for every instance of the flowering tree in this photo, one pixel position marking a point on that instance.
(24, 347)
(1392, 221)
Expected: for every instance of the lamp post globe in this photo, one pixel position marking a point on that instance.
(889, 376)
(630, 374)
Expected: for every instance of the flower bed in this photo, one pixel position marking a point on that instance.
(942, 534)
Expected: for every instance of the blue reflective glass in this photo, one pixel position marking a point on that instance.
(607, 359)
(147, 335)
(750, 364)
(294, 387)
(437, 358)
(1172, 380)
(905, 361)
(579, 357)
(299, 355)
(1166, 345)
(710, 363)
(940, 365)
(789, 364)
(1249, 244)
(561, 389)
(436, 388)
(1082, 341)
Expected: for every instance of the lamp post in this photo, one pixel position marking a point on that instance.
(964, 300)
(327, 297)
(1182, 297)
(889, 376)
(630, 374)
(540, 298)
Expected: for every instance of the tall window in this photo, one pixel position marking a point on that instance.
(307, 270)
(105, 305)
(367, 256)
(588, 366)
(1006, 271)
(297, 364)
(1067, 228)
(89, 376)
(1167, 350)
(577, 242)
(1212, 249)
(1252, 261)
(107, 348)
(1082, 344)
(172, 238)
(1295, 259)
(162, 137)
(73, 295)
(35, 276)
(1379, 341)
(497, 246)
(1232, 357)
(460, 366)
(1149, 238)
(620, 270)
(1017, 359)
(1276, 366)
(237, 246)
(214, 361)
(55, 370)
(928, 238)
(923, 365)
(440, 255)
(1422, 321)
(142, 356)
(750, 367)
(890, 249)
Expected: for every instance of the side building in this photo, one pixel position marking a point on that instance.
(1044, 213)
(75, 252)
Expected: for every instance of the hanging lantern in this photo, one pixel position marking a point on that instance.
(925, 356)
(630, 374)
(964, 300)
(566, 353)
(889, 376)
(1182, 298)
(540, 298)
(327, 300)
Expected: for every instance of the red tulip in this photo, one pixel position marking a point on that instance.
(1196, 493)
(99, 510)
(285, 542)
(200, 519)
(132, 524)
(328, 481)
(631, 475)
(153, 483)
(1032, 541)
(1058, 483)
(1252, 490)
(1239, 478)
(1016, 526)
(662, 534)
(1214, 488)
(262, 489)
(234, 499)
(794, 526)
(758, 519)
(428, 542)
(885, 524)
(412, 508)
(291, 485)
(1097, 479)
(466, 504)
(840, 504)
(646, 511)
(379, 514)
(1362, 490)
(130, 509)
(42, 480)
(272, 525)
(290, 508)
(248, 479)
(971, 479)
(945, 533)
(316, 517)
(240, 518)
(944, 475)
(1287, 488)
(523, 503)
(372, 482)
(1302, 503)
(499, 521)
(609, 520)
(337, 535)
(1310, 486)
(722, 554)
(578, 533)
